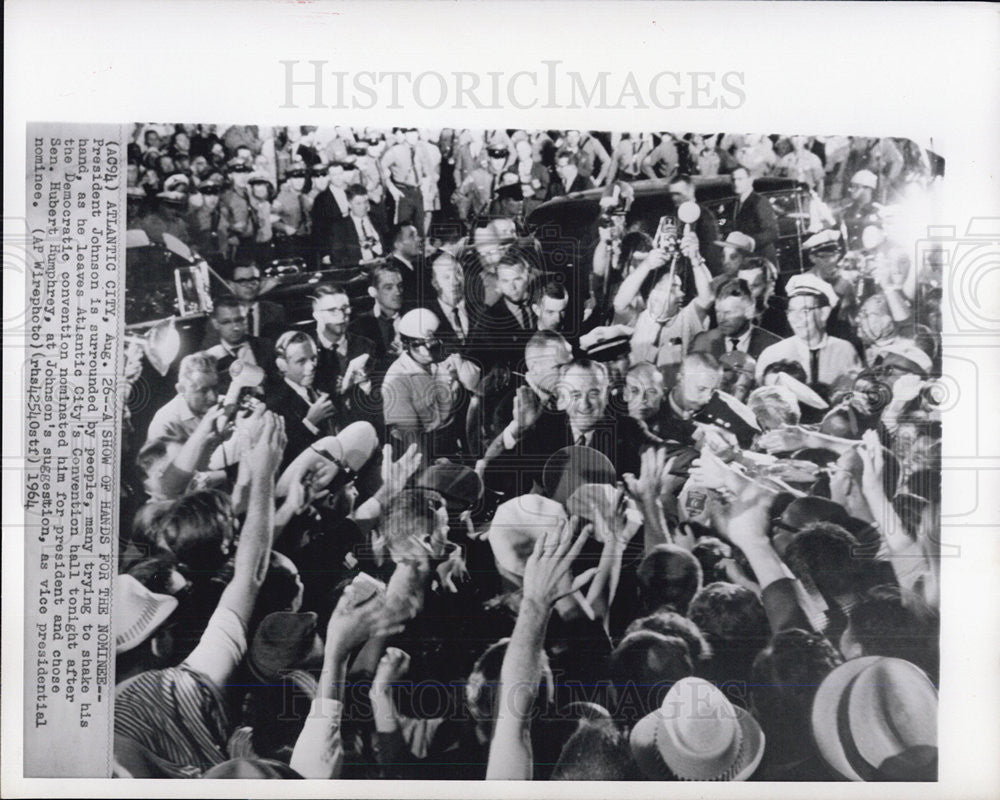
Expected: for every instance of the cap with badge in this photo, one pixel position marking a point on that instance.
(865, 178)
(826, 241)
(213, 184)
(319, 170)
(738, 241)
(237, 164)
(607, 343)
(906, 354)
(496, 152)
(810, 285)
(178, 182)
(460, 486)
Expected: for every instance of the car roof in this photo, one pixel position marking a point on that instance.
(651, 196)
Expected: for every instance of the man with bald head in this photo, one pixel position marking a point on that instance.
(448, 282)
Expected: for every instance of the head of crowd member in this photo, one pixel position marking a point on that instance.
(738, 374)
(549, 300)
(742, 182)
(566, 167)
(875, 322)
(792, 368)
(261, 187)
(644, 666)
(644, 391)
(245, 283)
(785, 676)
(734, 308)
(681, 189)
(665, 295)
(697, 381)
(296, 357)
(900, 358)
(523, 150)
(597, 750)
(825, 555)
(493, 241)
(583, 394)
(669, 577)
(331, 308)
(320, 177)
(761, 276)
(733, 621)
(357, 200)
(415, 528)
(229, 319)
(198, 528)
(737, 248)
(208, 191)
(197, 381)
(810, 301)
(545, 355)
(498, 156)
(774, 406)
(386, 289)
(151, 139)
(338, 175)
(482, 695)
(296, 177)
(889, 621)
(513, 278)
(418, 334)
(406, 242)
(143, 628)
(447, 236)
(448, 279)
(670, 623)
(239, 172)
(823, 252)
(862, 187)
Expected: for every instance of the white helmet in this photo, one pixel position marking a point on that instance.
(420, 323)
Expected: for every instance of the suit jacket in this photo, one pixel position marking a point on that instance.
(417, 291)
(580, 184)
(498, 339)
(353, 405)
(618, 437)
(712, 341)
(446, 330)
(381, 333)
(273, 323)
(345, 247)
(756, 218)
(282, 399)
(325, 215)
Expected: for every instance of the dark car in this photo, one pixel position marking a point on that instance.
(567, 226)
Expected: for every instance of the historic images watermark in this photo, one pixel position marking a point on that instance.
(318, 84)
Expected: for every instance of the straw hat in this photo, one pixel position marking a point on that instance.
(875, 718)
(138, 612)
(697, 735)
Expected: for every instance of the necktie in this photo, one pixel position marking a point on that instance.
(814, 366)
(581, 440)
(659, 335)
(735, 340)
(252, 322)
(413, 162)
(456, 323)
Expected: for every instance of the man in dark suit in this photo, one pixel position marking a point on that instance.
(754, 216)
(505, 327)
(580, 417)
(706, 227)
(734, 310)
(307, 412)
(229, 320)
(336, 349)
(570, 180)
(448, 304)
(329, 206)
(379, 325)
(264, 318)
(407, 257)
(355, 239)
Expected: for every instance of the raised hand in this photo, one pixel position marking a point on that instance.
(391, 667)
(547, 571)
(320, 410)
(396, 474)
(265, 455)
(353, 623)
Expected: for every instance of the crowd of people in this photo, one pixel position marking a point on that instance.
(670, 513)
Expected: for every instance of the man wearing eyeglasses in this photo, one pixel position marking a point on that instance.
(336, 350)
(824, 358)
(264, 318)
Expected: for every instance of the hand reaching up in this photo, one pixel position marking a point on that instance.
(547, 575)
